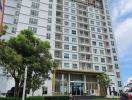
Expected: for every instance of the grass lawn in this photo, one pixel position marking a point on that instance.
(107, 99)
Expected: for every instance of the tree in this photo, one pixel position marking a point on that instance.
(104, 81)
(27, 50)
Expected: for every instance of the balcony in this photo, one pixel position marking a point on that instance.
(58, 45)
(58, 37)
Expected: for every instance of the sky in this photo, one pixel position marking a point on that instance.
(121, 14)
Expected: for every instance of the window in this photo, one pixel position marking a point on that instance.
(117, 74)
(33, 21)
(115, 58)
(101, 51)
(73, 32)
(73, 25)
(92, 22)
(66, 38)
(113, 50)
(119, 84)
(66, 9)
(100, 44)
(74, 39)
(35, 5)
(34, 13)
(73, 11)
(104, 69)
(116, 66)
(96, 59)
(48, 35)
(66, 16)
(67, 65)
(94, 43)
(92, 28)
(112, 43)
(66, 47)
(99, 37)
(93, 36)
(50, 6)
(95, 50)
(98, 23)
(74, 56)
(44, 90)
(74, 65)
(102, 60)
(111, 36)
(66, 55)
(97, 17)
(66, 31)
(66, 23)
(50, 13)
(50, 0)
(73, 18)
(48, 28)
(96, 67)
(74, 48)
(49, 20)
(98, 30)
(33, 29)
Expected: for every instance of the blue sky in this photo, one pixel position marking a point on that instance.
(121, 11)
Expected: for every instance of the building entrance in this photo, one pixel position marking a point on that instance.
(77, 88)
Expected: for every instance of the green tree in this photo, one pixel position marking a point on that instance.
(104, 81)
(27, 50)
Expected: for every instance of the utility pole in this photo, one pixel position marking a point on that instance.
(25, 81)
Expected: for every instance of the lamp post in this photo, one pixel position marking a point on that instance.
(25, 81)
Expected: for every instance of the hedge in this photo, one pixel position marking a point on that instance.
(41, 98)
(10, 98)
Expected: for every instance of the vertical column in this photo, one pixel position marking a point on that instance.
(98, 88)
(85, 83)
(53, 83)
(69, 88)
(62, 84)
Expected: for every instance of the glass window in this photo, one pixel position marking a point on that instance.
(104, 69)
(74, 56)
(96, 67)
(35, 5)
(66, 47)
(74, 39)
(96, 59)
(74, 48)
(66, 55)
(95, 50)
(73, 32)
(33, 21)
(34, 12)
(74, 65)
(67, 65)
(103, 60)
(66, 38)
(44, 90)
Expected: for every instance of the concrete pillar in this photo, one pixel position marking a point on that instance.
(85, 83)
(69, 90)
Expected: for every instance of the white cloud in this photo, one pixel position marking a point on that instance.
(123, 28)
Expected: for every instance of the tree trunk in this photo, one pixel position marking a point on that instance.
(17, 89)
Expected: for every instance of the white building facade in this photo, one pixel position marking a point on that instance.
(81, 37)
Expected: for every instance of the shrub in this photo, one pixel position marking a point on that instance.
(56, 98)
(10, 98)
(35, 98)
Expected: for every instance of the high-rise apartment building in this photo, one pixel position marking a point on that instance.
(81, 37)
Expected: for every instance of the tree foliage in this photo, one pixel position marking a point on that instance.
(27, 50)
(104, 81)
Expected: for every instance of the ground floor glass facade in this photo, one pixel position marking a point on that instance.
(76, 84)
